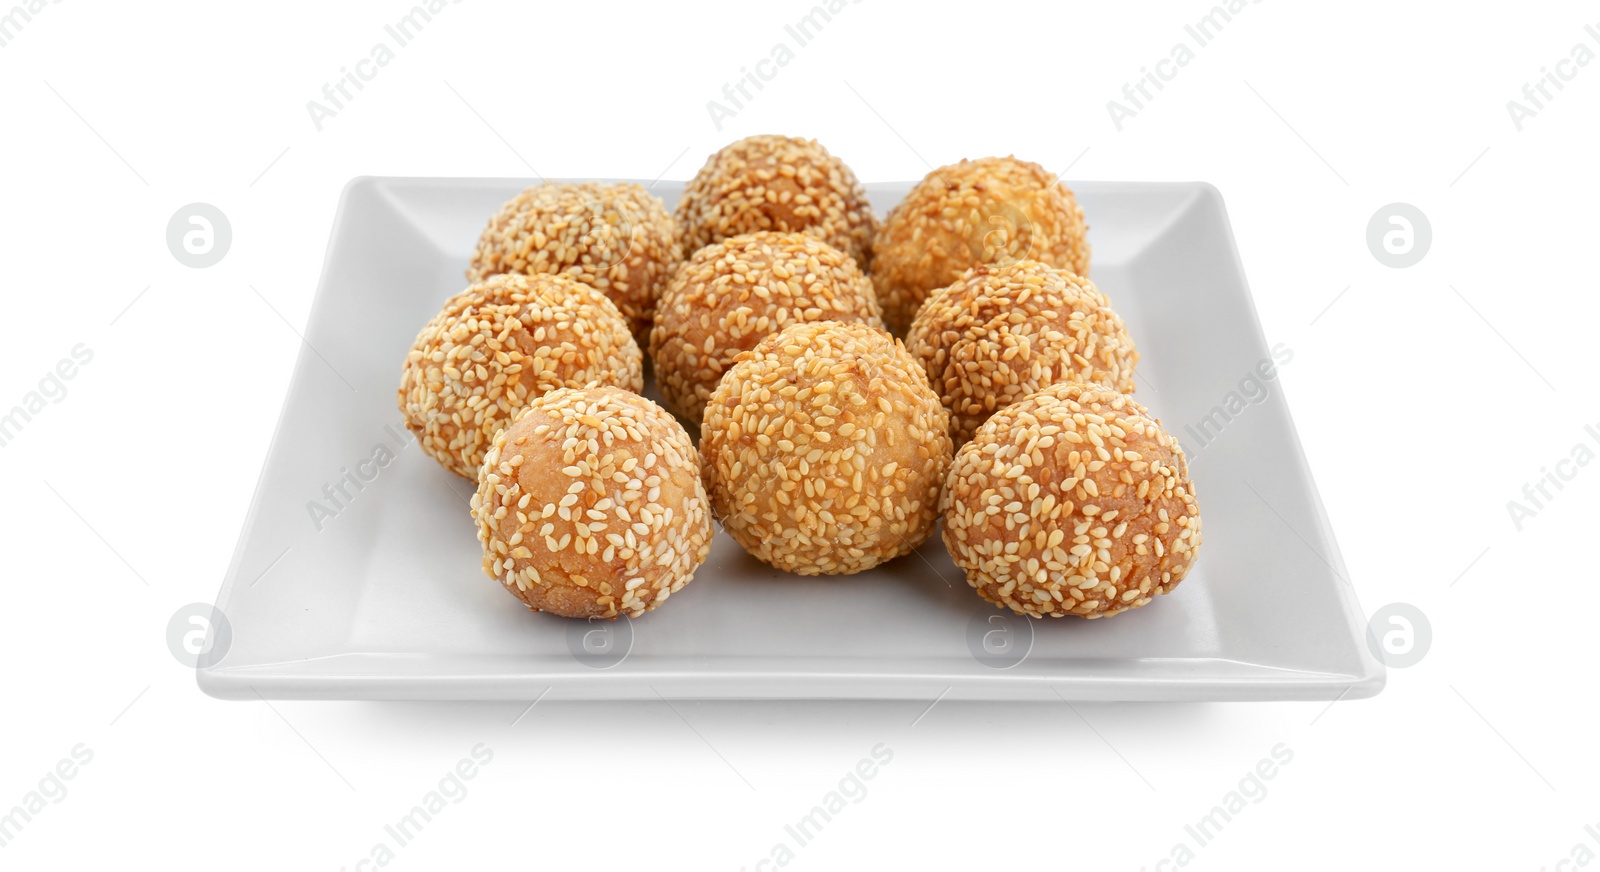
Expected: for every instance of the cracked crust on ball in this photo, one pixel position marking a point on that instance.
(496, 346)
(825, 450)
(614, 237)
(1004, 331)
(968, 213)
(734, 293)
(1073, 501)
(591, 505)
(777, 183)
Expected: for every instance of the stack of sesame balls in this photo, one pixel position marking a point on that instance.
(770, 303)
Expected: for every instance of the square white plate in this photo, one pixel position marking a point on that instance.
(384, 599)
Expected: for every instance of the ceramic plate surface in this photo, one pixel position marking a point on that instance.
(376, 593)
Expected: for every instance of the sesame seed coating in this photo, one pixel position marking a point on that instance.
(734, 293)
(615, 237)
(777, 183)
(497, 345)
(591, 505)
(825, 449)
(1003, 331)
(1073, 501)
(972, 212)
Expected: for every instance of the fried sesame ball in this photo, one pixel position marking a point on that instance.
(497, 345)
(734, 293)
(1073, 501)
(1003, 331)
(825, 449)
(615, 237)
(591, 505)
(777, 183)
(972, 212)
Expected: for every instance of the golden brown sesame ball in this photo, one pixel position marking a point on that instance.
(1003, 331)
(497, 345)
(972, 212)
(777, 183)
(825, 449)
(615, 237)
(735, 293)
(591, 505)
(1073, 501)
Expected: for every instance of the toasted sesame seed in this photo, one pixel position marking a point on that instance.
(1131, 543)
(528, 321)
(969, 213)
(777, 183)
(792, 493)
(575, 574)
(730, 295)
(617, 238)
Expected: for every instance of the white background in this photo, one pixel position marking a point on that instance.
(1426, 398)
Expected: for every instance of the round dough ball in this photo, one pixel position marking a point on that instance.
(615, 237)
(777, 183)
(972, 212)
(737, 292)
(825, 449)
(591, 505)
(497, 345)
(1073, 501)
(1003, 331)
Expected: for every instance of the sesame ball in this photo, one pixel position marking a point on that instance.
(1003, 331)
(497, 345)
(972, 212)
(734, 293)
(825, 449)
(777, 183)
(591, 505)
(615, 237)
(1073, 501)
